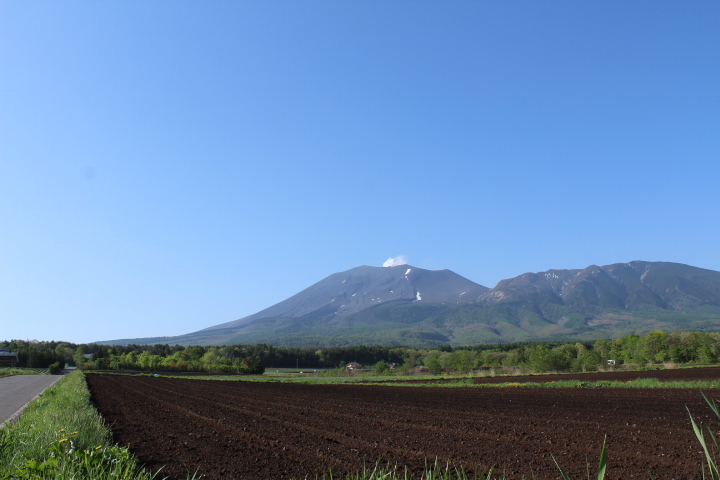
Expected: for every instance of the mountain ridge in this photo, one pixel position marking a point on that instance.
(406, 305)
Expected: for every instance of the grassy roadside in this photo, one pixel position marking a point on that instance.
(7, 371)
(61, 436)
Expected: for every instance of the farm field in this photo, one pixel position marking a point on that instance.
(274, 430)
(664, 375)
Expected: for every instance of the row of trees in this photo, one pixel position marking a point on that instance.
(35, 354)
(39, 354)
(656, 347)
(110, 356)
(186, 360)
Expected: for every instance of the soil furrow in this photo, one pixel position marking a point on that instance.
(269, 431)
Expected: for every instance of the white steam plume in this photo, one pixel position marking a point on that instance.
(394, 262)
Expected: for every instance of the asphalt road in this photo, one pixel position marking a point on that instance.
(17, 390)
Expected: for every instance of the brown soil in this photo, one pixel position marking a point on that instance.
(245, 430)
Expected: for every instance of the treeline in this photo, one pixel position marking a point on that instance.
(656, 347)
(39, 354)
(196, 358)
(35, 354)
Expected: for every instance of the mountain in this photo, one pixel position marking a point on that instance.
(621, 287)
(352, 291)
(405, 305)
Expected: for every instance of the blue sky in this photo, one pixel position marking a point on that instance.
(168, 166)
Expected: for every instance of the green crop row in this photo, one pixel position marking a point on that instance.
(639, 383)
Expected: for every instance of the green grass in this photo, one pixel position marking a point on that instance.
(7, 371)
(711, 449)
(60, 436)
(324, 380)
(436, 471)
(639, 383)
(454, 381)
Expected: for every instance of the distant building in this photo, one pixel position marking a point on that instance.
(353, 366)
(8, 359)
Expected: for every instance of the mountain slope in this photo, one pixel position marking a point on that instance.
(410, 306)
(620, 286)
(352, 291)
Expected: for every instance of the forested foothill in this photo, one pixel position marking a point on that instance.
(658, 347)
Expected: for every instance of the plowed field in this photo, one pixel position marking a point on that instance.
(246, 430)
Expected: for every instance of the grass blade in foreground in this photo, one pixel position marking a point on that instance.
(431, 472)
(710, 453)
(602, 465)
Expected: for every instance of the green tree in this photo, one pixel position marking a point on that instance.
(588, 361)
(381, 368)
(210, 358)
(432, 362)
(654, 347)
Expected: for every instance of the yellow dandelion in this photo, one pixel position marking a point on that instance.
(73, 433)
(98, 447)
(61, 430)
(63, 440)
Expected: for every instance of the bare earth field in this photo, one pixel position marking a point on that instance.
(247, 430)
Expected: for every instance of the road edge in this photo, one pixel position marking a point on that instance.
(15, 416)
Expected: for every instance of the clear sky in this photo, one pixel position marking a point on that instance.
(169, 166)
